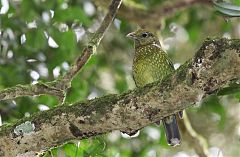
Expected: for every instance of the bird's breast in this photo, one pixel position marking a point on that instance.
(144, 72)
(150, 65)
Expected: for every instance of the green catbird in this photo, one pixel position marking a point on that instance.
(151, 63)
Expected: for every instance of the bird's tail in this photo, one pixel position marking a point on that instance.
(171, 130)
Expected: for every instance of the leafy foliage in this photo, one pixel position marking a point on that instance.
(227, 8)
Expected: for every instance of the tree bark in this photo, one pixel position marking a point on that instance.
(215, 65)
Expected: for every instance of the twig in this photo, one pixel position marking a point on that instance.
(94, 42)
(58, 87)
(31, 90)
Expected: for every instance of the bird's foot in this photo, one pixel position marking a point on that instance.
(180, 114)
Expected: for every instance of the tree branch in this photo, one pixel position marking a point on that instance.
(152, 18)
(214, 65)
(59, 87)
(31, 90)
(94, 42)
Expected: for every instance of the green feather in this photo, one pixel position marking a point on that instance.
(150, 64)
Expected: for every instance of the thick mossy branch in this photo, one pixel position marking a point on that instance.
(215, 64)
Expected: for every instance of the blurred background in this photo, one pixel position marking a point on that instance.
(40, 39)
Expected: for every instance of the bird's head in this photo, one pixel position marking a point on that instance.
(143, 37)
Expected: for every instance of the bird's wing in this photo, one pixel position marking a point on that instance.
(168, 60)
(159, 49)
(165, 56)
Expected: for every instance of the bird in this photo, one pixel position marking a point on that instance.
(150, 64)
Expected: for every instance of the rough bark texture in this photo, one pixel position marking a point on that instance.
(214, 65)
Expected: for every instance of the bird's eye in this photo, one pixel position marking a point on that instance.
(144, 35)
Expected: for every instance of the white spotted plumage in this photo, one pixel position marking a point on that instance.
(150, 64)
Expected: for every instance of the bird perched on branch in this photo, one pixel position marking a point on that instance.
(151, 63)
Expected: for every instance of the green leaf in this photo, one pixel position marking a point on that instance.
(212, 104)
(237, 2)
(163, 141)
(13, 71)
(232, 89)
(88, 147)
(227, 8)
(54, 152)
(97, 147)
(46, 5)
(94, 60)
(72, 14)
(78, 91)
(226, 5)
(237, 95)
(66, 40)
(65, 52)
(72, 150)
(48, 100)
(28, 10)
(121, 85)
(35, 40)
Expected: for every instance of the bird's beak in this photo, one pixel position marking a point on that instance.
(131, 35)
